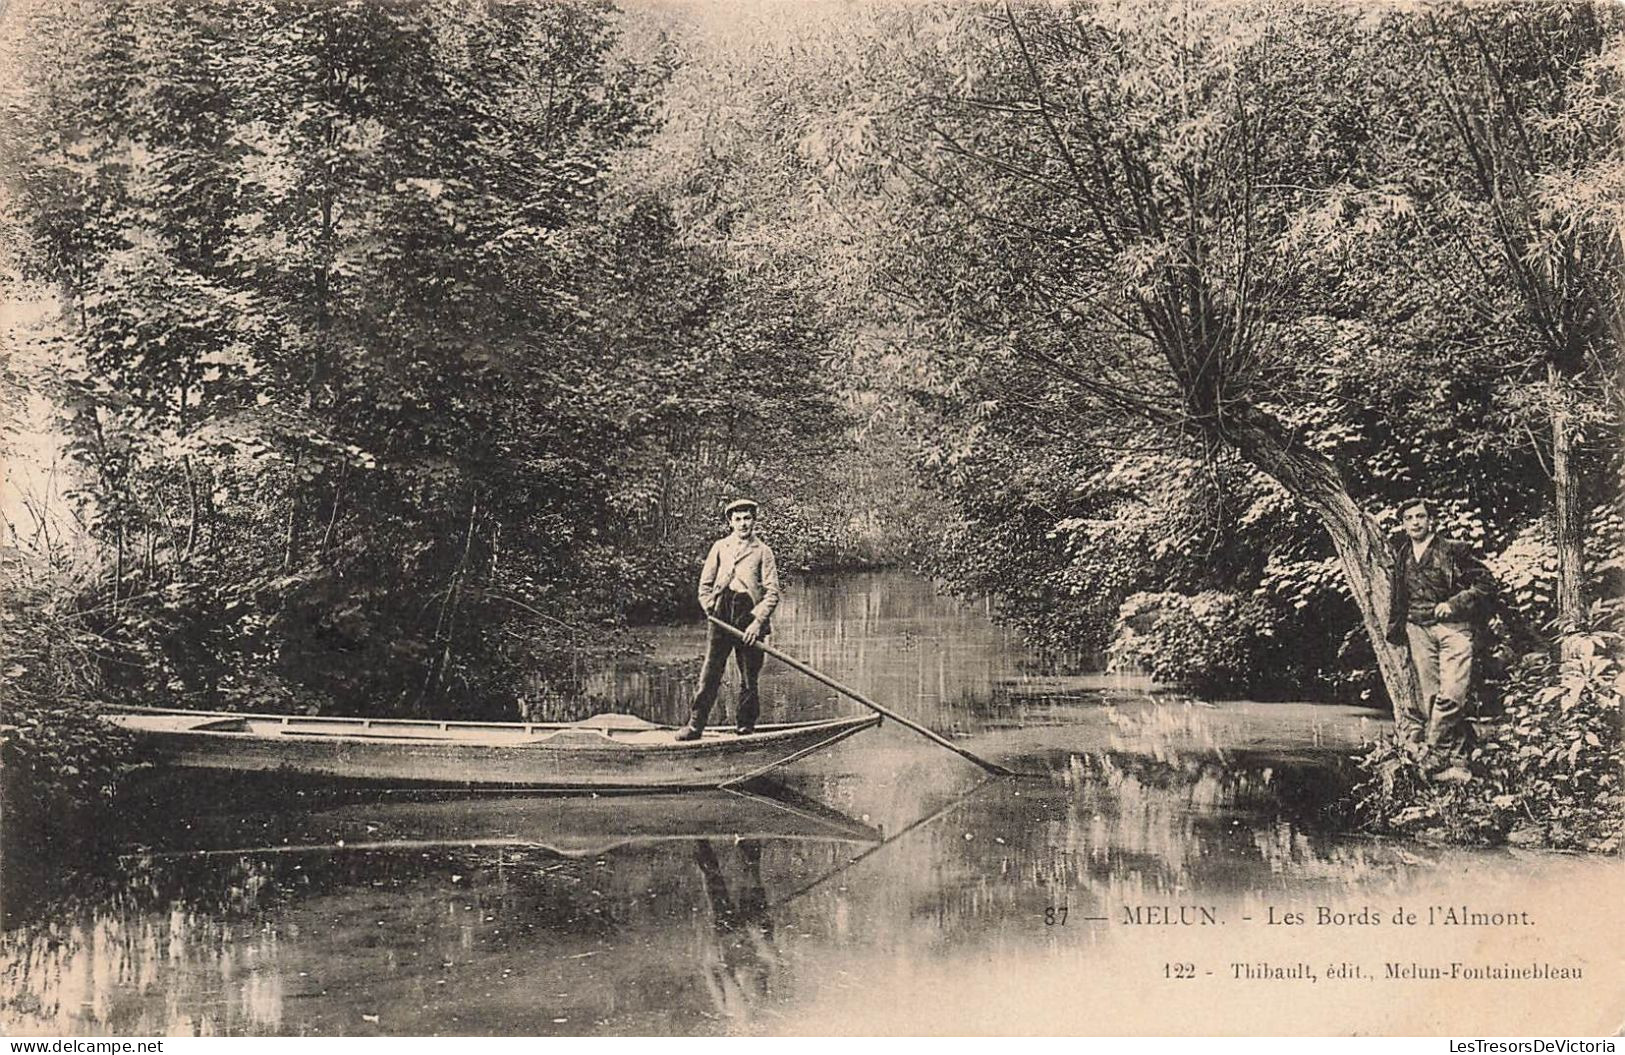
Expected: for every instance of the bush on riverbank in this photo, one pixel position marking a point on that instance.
(59, 765)
(1207, 641)
(1223, 644)
(1548, 772)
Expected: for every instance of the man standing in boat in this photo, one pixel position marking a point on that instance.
(740, 586)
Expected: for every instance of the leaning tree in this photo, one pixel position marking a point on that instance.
(1153, 208)
(1125, 200)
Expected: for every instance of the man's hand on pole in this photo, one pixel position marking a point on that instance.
(753, 632)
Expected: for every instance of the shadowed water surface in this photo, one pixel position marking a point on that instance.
(887, 886)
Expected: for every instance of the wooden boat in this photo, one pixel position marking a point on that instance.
(606, 751)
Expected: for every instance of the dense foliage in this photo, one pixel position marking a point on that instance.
(1270, 184)
(386, 388)
(1550, 766)
(1186, 299)
(59, 766)
(402, 350)
(1179, 303)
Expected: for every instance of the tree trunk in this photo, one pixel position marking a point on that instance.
(435, 675)
(1568, 532)
(191, 483)
(290, 538)
(333, 513)
(1367, 560)
(192, 510)
(118, 566)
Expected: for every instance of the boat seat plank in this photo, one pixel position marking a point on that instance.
(222, 725)
(616, 721)
(515, 736)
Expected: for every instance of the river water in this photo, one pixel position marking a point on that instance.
(1163, 865)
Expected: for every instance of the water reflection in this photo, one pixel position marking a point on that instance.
(450, 941)
(739, 959)
(688, 935)
(888, 886)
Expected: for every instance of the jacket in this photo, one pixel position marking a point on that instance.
(752, 563)
(1469, 580)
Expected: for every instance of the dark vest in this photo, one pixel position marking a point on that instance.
(1427, 582)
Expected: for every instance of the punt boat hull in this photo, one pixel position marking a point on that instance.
(605, 752)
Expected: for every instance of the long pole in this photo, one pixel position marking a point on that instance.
(866, 701)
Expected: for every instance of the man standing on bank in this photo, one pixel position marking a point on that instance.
(739, 585)
(1439, 591)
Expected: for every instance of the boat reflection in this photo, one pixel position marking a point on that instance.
(568, 825)
(425, 914)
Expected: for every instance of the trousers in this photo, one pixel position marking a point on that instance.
(734, 609)
(1442, 654)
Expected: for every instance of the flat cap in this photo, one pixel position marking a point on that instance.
(737, 504)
